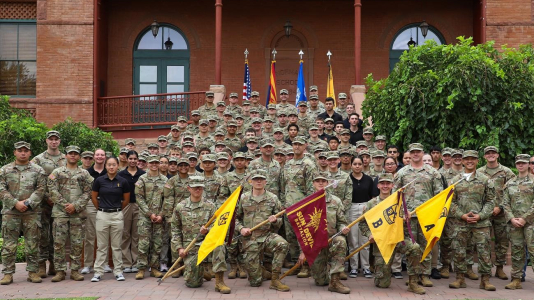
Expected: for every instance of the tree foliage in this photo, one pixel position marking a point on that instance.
(79, 134)
(460, 96)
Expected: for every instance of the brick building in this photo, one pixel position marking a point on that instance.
(65, 58)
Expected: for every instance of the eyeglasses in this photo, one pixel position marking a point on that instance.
(392, 152)
(391, 164)
(531, 162)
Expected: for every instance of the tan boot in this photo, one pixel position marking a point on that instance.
(336, 286)
(8, 279)
(206, 275)
(233, 271)
(470, 274)
(140, 274)
(154, 272)
(60, 276)
(444, 272)
(266, 275)
(76, 276)
(459, 282)
(499, 273)
(425, 281)
(485, 284)
(241, 271)
(304, 271)
(414, 287)
(295, 271)
(220, 286)
(51, 268)
(34, 278)
(276, 284)
(514, 285)
(288, 264)
(343, 276)
(42, 270)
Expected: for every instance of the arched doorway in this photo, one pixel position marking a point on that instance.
(403, 36)
(158, 69)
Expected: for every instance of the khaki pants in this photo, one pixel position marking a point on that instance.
(355, 237)
(130, 236)
(109, 225)
(90, 235)
(396, 264)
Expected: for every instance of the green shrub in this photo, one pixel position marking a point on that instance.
(79, 134)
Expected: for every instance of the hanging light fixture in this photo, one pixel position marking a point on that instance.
(287, 28)
(155, 28)
(411, 42)
(424, 28)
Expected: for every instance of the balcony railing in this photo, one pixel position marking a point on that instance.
(146, 111)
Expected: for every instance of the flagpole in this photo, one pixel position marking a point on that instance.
(357, 250)
(413, 212)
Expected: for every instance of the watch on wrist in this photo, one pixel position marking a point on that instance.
(27, 203)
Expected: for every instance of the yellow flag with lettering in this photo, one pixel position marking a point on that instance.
(432, 216)
(330, 85)
(386, 224)
(217, 234)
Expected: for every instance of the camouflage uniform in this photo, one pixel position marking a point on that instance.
(475, 194)
(445, 242)
(374, 173)
(202, 142)
(20, 183)
(518, 202)
(74, 187)
(273, 173)
(253, 210)
(174, 191)
(212, 189)
(46, 242)
(344, 188)
(233, 143)
(149, 196)
(342, 111)
(261, 109)
(314, 144)
(284, 106)
(206, 111)
(314, 113)
(235, 109)
(192, 128)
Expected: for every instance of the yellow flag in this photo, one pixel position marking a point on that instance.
(386, 224)
(432, 216)
(217, 233)
(330, 85)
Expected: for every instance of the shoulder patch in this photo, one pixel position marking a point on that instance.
(52, 176)
(167, 186)
(138, 183)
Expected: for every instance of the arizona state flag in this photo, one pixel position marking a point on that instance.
(271, 89)
(217, 234)
(308, 219)
(386, 224)
(330, 85)
(432, 216)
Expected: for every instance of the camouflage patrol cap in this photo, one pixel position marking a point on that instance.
(491, 148)
(313, 127)
(446, 151)
(190, 155)
(321, 175)
(256, 120)
(181, 119)
(323, 154)
(292, 112)
(231, 123)
(283, 91)
(259, 173)
(271, 106)
(280, 150)
(210, 94)
(456, 152)
(203, 122)
(72, 148)
(219, 132)
(239, 117)
(361, 144)
(152, 145)
(332, 155)
(239, 154)
(314, 97)
(228, 112)
(109, 154)
(142, 157)
(268, 119)
(313, 88)
(233, 95)
(254, 110)
(257, 152)
(281, 112)
(123, 150)
(470, 153)
(182, 161)
(342, 96)
(188, 144)
(344, 131)
(250, 156)
(416, 147)
(345, 151)
(278, 129)
(162, 138)
(524, 158)
(303, 103)
(329, 120)
(188, 136)
(364, 152)
(380, 138)
(88, 154)
(299, 140)
(220, 143)
(209, 157)
(222, 155)
(378, 153)
(252, 139)
(152, 158)
(196, 181)
(145, 153)
(368, 130)
(52, 133)
(175, 127)
(212, 118)
(173, 159)
(195, 112)
(255, 93)
(221, 103)
(318, 148)
(290, 151)
(385, 177)
(129, 141)
(246, 103)
(267, 142)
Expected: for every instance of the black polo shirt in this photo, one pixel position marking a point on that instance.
(94, 173)
(110, 192)
(362, 190)
(131, 181)
(336, 117)
(356, 136)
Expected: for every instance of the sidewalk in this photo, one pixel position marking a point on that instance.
(362, 288)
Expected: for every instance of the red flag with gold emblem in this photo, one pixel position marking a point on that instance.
(308, 219)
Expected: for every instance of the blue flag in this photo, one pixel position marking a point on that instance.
(301, 87)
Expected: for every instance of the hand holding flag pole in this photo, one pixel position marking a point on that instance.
(465, 178)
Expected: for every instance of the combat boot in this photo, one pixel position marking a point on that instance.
(140, 274)
(288, 264)
(60, 276)
(242, 272)
(209, 269)
(76, 276)
(206, 275)
(514, 285)
(499, 273)
(220, 286)
(414, 287)
(154, 272)
(295, 271)
(51, 268)
(336, 286)
(485, 284)
(425, 281)
(34, 278)
(343, 276)
(304, 271)
(266, 275)
(8, 279)
(470, 274)
(42, 270)
(444, 272)
(233, 271)
(276, 284)
(459, 282)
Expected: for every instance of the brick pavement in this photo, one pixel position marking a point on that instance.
(148, 288)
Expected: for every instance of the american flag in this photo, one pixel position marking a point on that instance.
(247, 89)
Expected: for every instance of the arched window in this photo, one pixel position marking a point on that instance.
(161, 63)
(408, 34)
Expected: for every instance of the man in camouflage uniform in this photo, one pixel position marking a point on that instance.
(296, 182)
(330, 262)
(255, 207)
(268, 123)
(304, 120)
(518, 204)
(284, 96)
(344, 139)
(174, 140)
(188, 220)
(343, 189)
(195, 118)
(231, 140)
(49, 160)
(342, 105)
(499, 174)
(254, 101)
(378, 164)
(314, 141)
(267, 163)
(380, 143)
(427, 184)
(149, 196)
(315, 108)
(368, 135)
(70, 190)
(22, 187)
(208, 109)
(203, 137)
(233, 106)
(472, 205)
